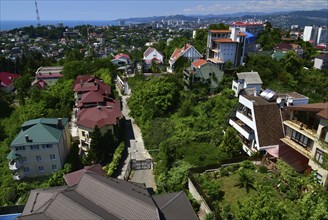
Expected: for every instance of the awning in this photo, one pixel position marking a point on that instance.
(12, 155)
(274, 151)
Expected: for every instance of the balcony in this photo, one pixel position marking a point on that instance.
(301, 128)
(15, 165)
(306, 151)
(241, 127)
(18, 175)
(245, 118)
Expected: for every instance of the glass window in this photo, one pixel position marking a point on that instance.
(41, 169)
(319, 156)
(46, 146)
(52, 157)
(20, 148)
(54, 167)
(34, 147)
(24, 159)
(26, 170)
(38, 158)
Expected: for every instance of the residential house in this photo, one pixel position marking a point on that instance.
(204, 72)
(49, 74)
(188, 51)
(306, 139)
(121, 59)
(39, 84)
(98, 197)
(153, 54)
(249, 83)
(85, 83)
(94, 107)
(74, 178)
(225, 45)
(258, 119)
(40, 148)
(285, 47)
(321, 61)
(7, 81)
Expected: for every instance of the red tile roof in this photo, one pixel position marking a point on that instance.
(179, 51)
(73, 178)
(100, 115)
(92, 96)
(199, 63)
(220, 31)
(6, 79)
(45, 76)
(90, 83)
(224, 40)
(122, 55)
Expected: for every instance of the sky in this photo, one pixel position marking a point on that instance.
(85, 10)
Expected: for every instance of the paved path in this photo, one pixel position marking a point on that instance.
(136, 150)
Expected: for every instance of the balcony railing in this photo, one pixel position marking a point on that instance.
(300, 127)
(15, 165)
(306, 151)
(241, 127)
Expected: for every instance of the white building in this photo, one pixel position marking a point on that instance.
(225, 45)
(151, 53)
(250, 82)
(321, 61)
(316, 35)
(253, 27)
(49, 74)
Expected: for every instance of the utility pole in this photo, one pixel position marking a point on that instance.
(37, 14)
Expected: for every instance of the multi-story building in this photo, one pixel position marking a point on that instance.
(253, 27)
(316, 35)
(306, 133)
(225, 45)
(258, 119)
(40, 148)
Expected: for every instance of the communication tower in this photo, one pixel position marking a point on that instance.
(37, 14)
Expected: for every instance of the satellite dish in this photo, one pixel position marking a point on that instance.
(279, 100)
(290, 101)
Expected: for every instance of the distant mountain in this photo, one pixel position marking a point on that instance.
(278, 19)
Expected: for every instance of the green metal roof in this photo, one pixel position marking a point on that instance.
(40, 131)
(12, 155)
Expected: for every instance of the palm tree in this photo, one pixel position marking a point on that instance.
(245, 180)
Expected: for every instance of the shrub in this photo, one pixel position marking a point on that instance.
(247, 164)
(263, 169)
(112, 166)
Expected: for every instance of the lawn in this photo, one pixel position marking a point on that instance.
(228, 180)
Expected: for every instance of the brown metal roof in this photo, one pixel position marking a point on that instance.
(320, 108)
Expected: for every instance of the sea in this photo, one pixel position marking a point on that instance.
(9, 25)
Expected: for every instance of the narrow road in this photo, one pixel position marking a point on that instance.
(136, 150)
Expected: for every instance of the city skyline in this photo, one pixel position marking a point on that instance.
(83, 10)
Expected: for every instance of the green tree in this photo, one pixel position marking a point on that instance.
(231, 143)
(74, 68)
(95, 153)
(219, 26)
(261, 206)
(22, 84)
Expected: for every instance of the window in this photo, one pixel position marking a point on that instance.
(52, 157)
(83, 133)
(24, 159)
(54, 167)
(300, 138)
(20, 148)
(34, 147)
(46, 146)
(26, 170)
(324, 134)
(41, 169)
(38, 158)
(319, 156)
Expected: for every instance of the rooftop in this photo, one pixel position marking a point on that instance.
(250, 77)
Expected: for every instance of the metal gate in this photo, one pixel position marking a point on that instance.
(141, 164)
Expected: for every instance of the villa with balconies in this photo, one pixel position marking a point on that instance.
(306, 133)
(224, 45)
(40, 148)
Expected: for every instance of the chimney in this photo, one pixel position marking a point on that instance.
(81, 82)
(27, 138)
(59, 123)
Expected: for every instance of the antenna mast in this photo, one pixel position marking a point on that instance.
(37, 14)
